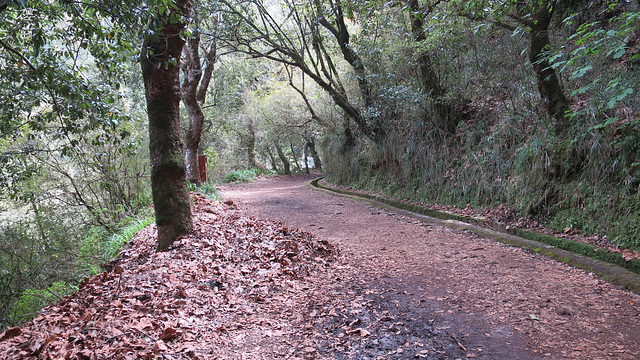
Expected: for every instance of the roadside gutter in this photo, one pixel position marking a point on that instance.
(610, 272)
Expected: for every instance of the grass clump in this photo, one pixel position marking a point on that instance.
(240, 176)
(100, 247)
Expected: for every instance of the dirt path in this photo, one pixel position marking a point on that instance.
(402, 289)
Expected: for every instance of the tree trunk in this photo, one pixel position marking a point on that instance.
(194, 91)
(310, 146)
(160, 60)
(283, 158)
(349, 139)
(251, 145)
(338, 28)
(340, 32)
(192, 75)
(444, 119)
(306, 161)
(295, 157)
(272, 159)
(549, 86)
(277, 46)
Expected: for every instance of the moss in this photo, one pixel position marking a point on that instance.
(582, 249)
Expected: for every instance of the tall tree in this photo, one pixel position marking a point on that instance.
(310, 148)
(194, 90)
(250, 138)
(303, 40)
(535, 16)
(283, 158)
(549, 86)
(160, 59)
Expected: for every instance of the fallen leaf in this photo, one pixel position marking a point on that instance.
(169, 334)
(10, 333)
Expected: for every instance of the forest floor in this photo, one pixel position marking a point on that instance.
(449, 290)
(329, 278)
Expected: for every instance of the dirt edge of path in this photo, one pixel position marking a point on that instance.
(607, 271)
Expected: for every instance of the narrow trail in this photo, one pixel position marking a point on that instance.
(420, 283)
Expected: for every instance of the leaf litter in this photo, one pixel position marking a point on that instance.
(235, 288)
(425, 291)
(241, 288)
(220, 292)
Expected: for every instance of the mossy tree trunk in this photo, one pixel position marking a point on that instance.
(250, 142)
(160, 60)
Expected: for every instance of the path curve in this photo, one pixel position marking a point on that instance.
(491, 301)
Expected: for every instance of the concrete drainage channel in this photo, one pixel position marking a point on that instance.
(608, 271)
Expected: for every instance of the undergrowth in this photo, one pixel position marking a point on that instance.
(505, 151)
(38, 272)
(207, 189)
(245, 175)
(571, 195)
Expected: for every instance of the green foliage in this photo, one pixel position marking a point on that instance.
(46, 75)
(207, 189)
(213, 158)
(35, 256)
(240, 176)
(507, 151)
(114, 243)
(32, 300)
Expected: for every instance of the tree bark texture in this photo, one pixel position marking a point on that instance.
(192, 76)
(194, 91)
(160, 60)
(549, 86)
